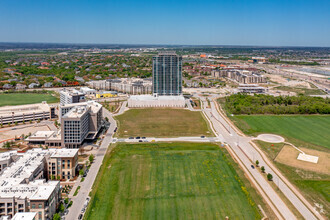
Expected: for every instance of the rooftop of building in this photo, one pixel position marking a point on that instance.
(86, 89)
(35, 190)
(6, 155)
(26, 109)
(71, 92)
(44, 135)
(18, 179)
(76, 112)
(24, 216)
(63, 152)
(25, 166)
(167, 53)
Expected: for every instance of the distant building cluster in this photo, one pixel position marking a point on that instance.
(24, 189)
(134, 86)
(240, 76)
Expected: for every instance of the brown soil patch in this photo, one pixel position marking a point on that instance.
(288, 155)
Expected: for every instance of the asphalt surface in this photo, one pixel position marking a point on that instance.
(247, 153)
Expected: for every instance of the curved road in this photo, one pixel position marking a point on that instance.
(247, 153)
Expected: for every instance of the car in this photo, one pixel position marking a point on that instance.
(252, 166)
(145, 141)
(143, 137)
(203, 136)
(88, 198)
(115, 129)
(131, 138)
(137, 137)
(140, 141)
(83, 210)
(80, 216)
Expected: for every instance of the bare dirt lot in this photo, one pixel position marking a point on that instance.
(11, 132)
(288, 155)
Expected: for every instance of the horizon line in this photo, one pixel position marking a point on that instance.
(187, 45)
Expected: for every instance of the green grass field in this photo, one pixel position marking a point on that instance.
(151, 122)
(170, 181)
(25, 98)
(314, 186)
(303, 130)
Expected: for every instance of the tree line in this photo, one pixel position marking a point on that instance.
(267, 104)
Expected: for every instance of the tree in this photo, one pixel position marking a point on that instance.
(257, 162)
(7, 145)
(81, 172)
(106, 118)
(262, 169)
(91, 158)
(56, 216)
(269, 177)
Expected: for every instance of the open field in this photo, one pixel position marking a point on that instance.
(304, 91)
(25, 98)
(171, 181)
(310, 131)
(151, 122)
(315, 186)
(288, 155)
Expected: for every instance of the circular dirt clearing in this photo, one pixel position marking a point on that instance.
(270, 138)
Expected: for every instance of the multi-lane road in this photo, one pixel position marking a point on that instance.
(247, 154)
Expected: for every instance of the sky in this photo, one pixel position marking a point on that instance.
(183, 22)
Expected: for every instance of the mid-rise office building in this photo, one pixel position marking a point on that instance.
(69, 96)
(167, 74)
(79, 122)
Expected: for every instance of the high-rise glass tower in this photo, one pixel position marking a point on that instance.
(167, 74)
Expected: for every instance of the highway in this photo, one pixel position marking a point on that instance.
(247, 153)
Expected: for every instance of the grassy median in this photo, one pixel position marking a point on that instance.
(170, 181)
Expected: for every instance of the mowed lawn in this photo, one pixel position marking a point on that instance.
(302, 130)
(169, 181)
(152, 122)
(25, 98)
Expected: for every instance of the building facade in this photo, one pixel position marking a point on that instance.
(26, 113)
(167, 74)
(71, 96)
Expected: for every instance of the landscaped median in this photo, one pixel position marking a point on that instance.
(309, 133)
(171, 181)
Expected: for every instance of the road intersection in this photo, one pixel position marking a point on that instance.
(239, 144)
